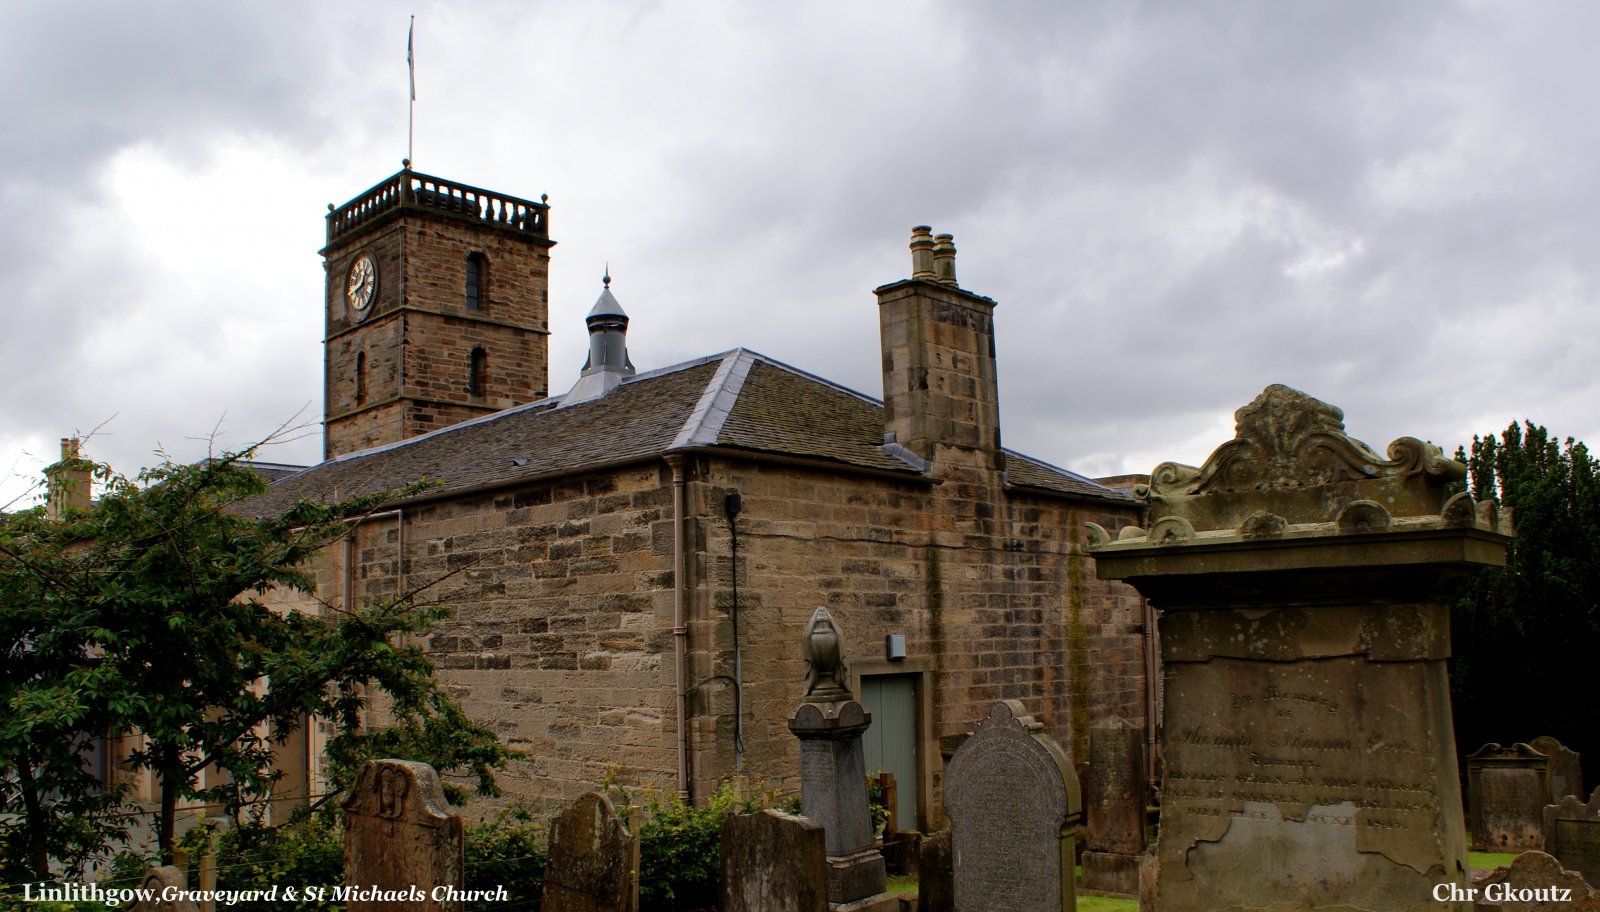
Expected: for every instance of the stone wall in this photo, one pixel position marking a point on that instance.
(561, 638)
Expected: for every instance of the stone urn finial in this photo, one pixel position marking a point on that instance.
(823, 648)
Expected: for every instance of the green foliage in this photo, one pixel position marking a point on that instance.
(146, 613)
(1537, 620)
(680, 864)
(508, 851)
(307, 852)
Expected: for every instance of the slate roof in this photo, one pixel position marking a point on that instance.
(735, 401)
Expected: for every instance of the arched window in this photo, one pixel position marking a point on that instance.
(361, 377)
(477, 278)
(478, 379)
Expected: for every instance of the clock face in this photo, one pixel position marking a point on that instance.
(361, 286)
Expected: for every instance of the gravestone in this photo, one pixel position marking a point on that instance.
(1566, 770)
(936, 886)
(401, 838)
(1535, 882)
(157, 881)
(1507, 790)
(833, 771)
(773, 862)
(1304, 583)
(1572, 835)
(1115, 806)
(593, 863)
(1014, 807)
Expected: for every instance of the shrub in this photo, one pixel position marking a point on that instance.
(680, 864)
(508, 851)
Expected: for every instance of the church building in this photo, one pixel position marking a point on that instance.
(631, 555)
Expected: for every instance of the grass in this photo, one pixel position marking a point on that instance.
(1490, 860)
(1091, 903)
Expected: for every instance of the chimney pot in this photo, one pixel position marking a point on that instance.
(944, 259)
(922, 253)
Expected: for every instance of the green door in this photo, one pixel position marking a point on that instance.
(891, 741)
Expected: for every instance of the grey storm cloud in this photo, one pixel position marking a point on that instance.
(1390, 206)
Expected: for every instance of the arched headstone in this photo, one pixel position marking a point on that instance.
(1014, 807)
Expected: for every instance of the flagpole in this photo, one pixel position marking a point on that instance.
(411, 115)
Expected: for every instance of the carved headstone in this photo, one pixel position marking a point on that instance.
(593, 864)
(1507, 790)
(1116, 803)
(833, 770)
(1572, 835)
(773, 862)
(401, 838)
(156, 882)
(1535, 882)
(1566, 769)
(1014, 807)
(1303, 583)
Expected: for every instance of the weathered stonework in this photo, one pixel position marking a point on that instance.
(593, 863)
(400, 838)
(1303, 584)
(773, 862)
(1015, 810)
(1507, 790)
(1572, 834)
(1117, 797)
(1566, 767)
(414, 343)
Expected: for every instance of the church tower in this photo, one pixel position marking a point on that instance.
(437, 309)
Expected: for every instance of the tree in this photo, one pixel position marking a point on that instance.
(145, 613)
(1525, 637)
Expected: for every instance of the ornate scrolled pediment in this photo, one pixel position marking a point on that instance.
(1287, 439)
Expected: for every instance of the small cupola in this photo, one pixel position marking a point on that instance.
(608, 364)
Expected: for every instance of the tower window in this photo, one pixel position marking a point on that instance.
(361, 377)
(477, 275)
(477, 379)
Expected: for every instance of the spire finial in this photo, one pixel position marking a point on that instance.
(606, 279)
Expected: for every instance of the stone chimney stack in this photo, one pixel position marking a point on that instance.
(69, 481)
(940, 396)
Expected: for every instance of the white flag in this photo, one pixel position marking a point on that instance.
(411, 63)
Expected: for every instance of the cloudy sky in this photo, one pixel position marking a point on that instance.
(1392, 206)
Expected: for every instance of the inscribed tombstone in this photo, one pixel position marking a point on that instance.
(1566, 768)
(1572, 835)
(593, 865)
(401, 842)
(1507, 790)
(1014, 807)
(1115, 807)
(936, 888)
(773, 862)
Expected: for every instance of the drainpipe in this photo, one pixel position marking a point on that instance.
(680, 632)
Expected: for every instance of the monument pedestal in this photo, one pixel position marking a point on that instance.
(1303, 584)
(833, 772)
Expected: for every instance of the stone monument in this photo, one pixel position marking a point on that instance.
(1507, 790)
(156, 883)
(773, 862)
(400, 838)
(1566, 768)
(833, 771)
(1304, 583)
(1535, 882)
(1014, 807)
(1572, 834)
(593, 865)
(1118, 795)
